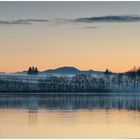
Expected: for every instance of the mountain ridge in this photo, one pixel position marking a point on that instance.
(70, 70)
(65, 70)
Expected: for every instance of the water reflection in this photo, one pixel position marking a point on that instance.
(69, 102)
(32, 117)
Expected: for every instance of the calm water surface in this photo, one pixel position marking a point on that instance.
(69, 116)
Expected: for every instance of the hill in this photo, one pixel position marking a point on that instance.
(70, 71)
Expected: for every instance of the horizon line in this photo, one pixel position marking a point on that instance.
(134, 67)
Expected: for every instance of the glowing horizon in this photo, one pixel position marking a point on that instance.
(85, 35)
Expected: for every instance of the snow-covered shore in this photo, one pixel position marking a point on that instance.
(81, 84)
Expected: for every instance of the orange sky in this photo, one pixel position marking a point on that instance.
(96, 46)
(114, 47)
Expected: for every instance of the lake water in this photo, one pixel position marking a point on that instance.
(69, 116)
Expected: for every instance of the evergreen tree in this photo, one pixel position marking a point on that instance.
(29, 70)
(32, 70)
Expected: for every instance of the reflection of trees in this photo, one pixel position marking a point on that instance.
(71, 102)
(32, 117)
(33, 104)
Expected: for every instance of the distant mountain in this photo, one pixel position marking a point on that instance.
(93, 72)
(63, 70)
(70, 71)
(66, 71)
(22, 72)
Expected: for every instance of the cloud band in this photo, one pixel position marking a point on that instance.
(122, 18)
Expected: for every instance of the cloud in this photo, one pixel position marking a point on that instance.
(22, 21)
(111, 18)
(59, 21)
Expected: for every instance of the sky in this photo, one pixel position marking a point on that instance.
(86, 35)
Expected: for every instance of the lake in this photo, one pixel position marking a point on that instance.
(69, 116)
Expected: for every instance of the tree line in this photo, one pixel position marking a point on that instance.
(107, 82)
